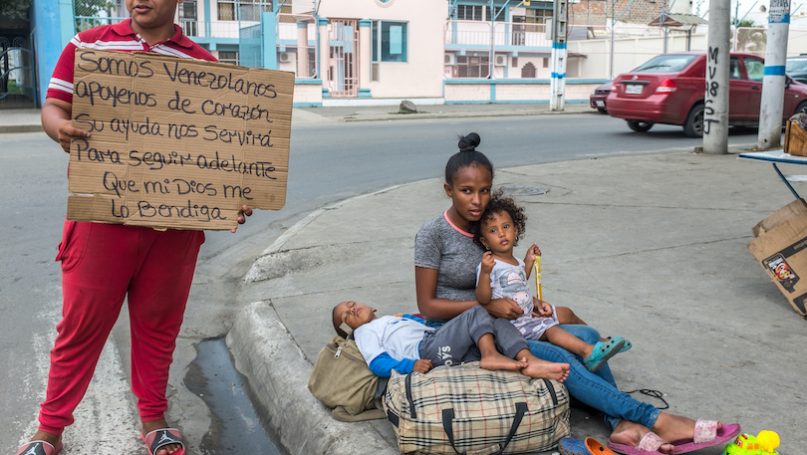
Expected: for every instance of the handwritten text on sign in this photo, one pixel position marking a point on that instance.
(176, 143)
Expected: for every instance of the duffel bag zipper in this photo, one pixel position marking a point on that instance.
(552, 393)
(408, 388)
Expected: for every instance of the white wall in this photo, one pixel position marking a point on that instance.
(633, 51)
(422, 74)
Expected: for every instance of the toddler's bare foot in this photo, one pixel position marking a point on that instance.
(542, 369)
(497, 361)
(630, 434)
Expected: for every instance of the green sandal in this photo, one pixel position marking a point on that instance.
(603, 351)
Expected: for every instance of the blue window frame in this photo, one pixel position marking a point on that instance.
(389, 41)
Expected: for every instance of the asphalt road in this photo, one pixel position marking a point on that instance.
(329, 161)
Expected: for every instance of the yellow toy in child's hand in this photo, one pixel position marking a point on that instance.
(537, 270)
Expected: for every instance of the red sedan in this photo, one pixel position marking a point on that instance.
(597, 98)
(669, 89)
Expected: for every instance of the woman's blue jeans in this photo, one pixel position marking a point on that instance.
(596, 389)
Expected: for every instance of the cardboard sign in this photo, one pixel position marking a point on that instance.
(176, 143)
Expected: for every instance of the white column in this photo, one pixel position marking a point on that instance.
(365, 57)
(773, 84)
(324, 50)
(302, 50)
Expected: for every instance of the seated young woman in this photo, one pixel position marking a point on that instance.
(446, 258)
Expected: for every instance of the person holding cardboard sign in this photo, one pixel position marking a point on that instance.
(104, 263)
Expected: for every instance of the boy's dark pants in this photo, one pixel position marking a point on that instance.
(456, 340)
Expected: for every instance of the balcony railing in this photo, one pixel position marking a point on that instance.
(218, 29)
(478, 33)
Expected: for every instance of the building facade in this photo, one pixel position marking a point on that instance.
(359, 51)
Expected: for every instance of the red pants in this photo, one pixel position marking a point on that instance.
(102, 264)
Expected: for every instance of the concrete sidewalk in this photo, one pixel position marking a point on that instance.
(20, 121)
(652, 247)
(28, 120)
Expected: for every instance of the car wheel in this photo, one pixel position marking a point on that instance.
(802, 109)
(694, 124)
(639, 126)
(602, 110)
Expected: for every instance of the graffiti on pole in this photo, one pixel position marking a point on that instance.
(779, 12)
(712, 89)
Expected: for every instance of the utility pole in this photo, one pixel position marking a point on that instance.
(611, 48)
(557, 85)
(492, 51)
(494, 16)
(773, 83)
(716, 107)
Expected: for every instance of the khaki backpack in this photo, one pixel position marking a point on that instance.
(343, 382)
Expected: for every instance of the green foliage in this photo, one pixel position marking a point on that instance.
(744, 23)
(15, 9)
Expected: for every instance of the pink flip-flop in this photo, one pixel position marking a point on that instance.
(649, 445)
(39, 447)
(157, 439)
(708, 433)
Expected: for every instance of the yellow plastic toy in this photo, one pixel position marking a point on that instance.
(765, 443)
(537, 270)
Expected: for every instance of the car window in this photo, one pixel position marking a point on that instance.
(796, 66)
(755, 69)
(669, 63)
(734, 69)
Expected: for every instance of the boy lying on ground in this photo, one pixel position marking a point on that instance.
(406, 344)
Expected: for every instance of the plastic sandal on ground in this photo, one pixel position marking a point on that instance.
(603, 351)
(157, 439)
(572, 446)
(708, 433)
(649, 445)
(595, 447)
(39, 447)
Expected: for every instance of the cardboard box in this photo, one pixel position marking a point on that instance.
(795, 139)
(780, 246)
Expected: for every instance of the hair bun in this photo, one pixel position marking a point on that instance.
(469, 142)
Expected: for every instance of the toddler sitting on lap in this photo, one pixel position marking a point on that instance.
(501, 275)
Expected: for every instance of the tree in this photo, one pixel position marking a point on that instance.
(747, 23)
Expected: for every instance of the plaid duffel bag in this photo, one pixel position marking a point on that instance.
(467, 410)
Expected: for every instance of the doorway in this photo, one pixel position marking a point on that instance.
(343, 71)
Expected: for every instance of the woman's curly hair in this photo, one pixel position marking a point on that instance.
(499, 203)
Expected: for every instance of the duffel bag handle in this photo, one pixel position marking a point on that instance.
(448, 426)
